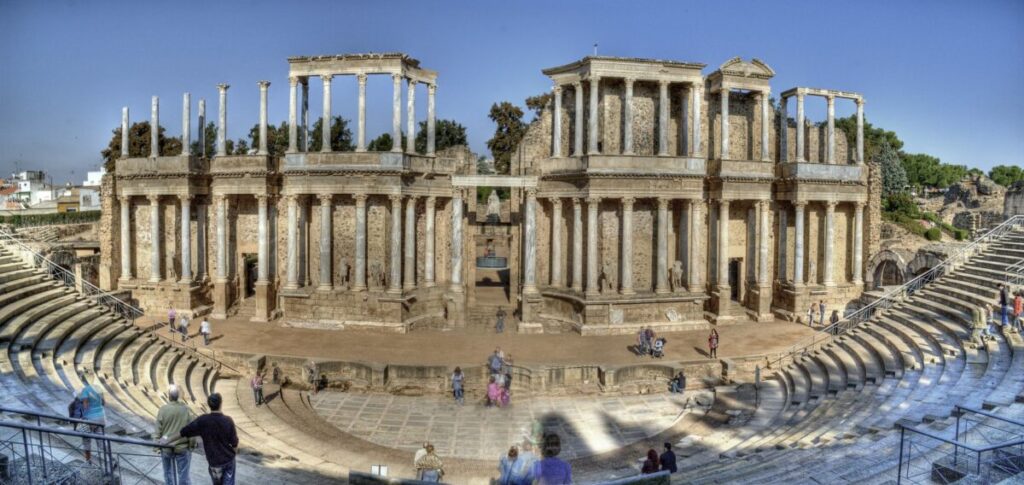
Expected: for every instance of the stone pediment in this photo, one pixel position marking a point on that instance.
(755, 68)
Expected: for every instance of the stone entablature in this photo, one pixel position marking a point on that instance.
(354, 64)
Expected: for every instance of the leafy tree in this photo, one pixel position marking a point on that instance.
(138, 144)
(539, 102)
(383, 143)
(277, 138)
(210, 132)
(507, 134)
(482, 167)
(447, 134)
(241, 147)
(927, 171)
(1006, 175)
(901, 203)
(975, 172)
(874, 137)
(894, 178)
(341, 135)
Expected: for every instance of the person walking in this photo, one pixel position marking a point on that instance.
(499, 325)
(821, 313)
(550, 470)
(668, 459)
(430, 468)
(713, 344)
(275, 375)
(649, 337)
(506, 371)
(833, 320)
(457, 380)
(171, 315)
(810, 315)
(1018, 311)
(495, 362)
(493, 393)
(311, 375)
(204, 330)
(257, 388)
(170, 419)
(184, 328)
(651, 464)
(1004, 304)
(220, 440)
(93, 410)
(513, 469)
(641, 345)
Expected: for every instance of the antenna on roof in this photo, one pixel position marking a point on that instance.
(595, 48)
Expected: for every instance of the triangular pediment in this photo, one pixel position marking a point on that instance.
(755, 68)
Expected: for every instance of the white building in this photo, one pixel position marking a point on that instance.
(89, 194)
(32, 187)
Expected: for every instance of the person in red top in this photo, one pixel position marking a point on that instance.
(651, 463)
(713, 344)
(1018, 311)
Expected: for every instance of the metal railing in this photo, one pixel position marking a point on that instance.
(897, 294)
(1015, 274)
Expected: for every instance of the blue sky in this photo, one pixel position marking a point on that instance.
(945, 75)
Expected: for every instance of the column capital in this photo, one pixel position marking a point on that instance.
(223, 87)
(153, 198)
(577, 84)
(411, 81)
(859, 101)
(830, 205)
(531, 193)
(395, 198)
(557, 89)
(766, 92)
(698, 203)
(263, 84)
(361, 77)
(262, 198)
(860, 204)
(663, 202)
(800, 204)
(431, 88)
(291, 198)
(556, 201)
(765, 204)
(324, 198)
(576, 201)
(412, 198)
(724, 202)
(627, 202)
(360, 198)
(593, 200)
(293, 81)
(431, 200)
(664, 82)
(629, 80)
(124, 198)
(326, 78)
(800, 96)
(185, 197)
(594, 80)
(831, 98)
(396, 78)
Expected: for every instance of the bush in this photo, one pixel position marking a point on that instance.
(961, 234)
(902, 204)
(933, 234)
(19, 220)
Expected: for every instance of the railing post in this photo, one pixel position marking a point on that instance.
(899, 469)
(956, 437)
(28, 456)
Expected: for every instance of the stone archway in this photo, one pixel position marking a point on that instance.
(922, 262)
(887, 268)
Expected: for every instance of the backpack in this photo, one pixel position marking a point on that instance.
(76, 409)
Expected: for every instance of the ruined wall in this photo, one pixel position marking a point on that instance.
(109, 234)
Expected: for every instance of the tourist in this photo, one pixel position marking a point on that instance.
(713, 344)
(678, 383)
(528, 457)
(978, 324)
(506, 372)
(499, 326)
(514, 469)
(821, 313)
(649, 337)
(641, 347)
(311, 375)
(322, 383)
(204, 330)
(810, 315)
(184, 328)
(257, 388)
(833, 320)
(495, 362)
(275, 375)
(92, 404)
(420, 453)
(457, 380)
(668, 459)
(171, 418)
(429, 467)
(550, 470)
(220, 441)
(493, 393)
(1004, 304)
(171, 314)
(1018, 311)
(651, 463)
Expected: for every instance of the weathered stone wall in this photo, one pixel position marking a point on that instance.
(1013, 204)
(109, 235)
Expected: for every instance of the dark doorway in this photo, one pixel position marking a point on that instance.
(734, 278)
(251, 272)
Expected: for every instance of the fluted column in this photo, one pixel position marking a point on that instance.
(222, 120)
(577, 144)
(800, 128)
(783, 130)
(766, 117)
(154, 128)
(860, 131)
(201, 243)
(186, 124)
(305, 113)
(695, 230)
(723, 245)
(627, 122)
(595, 83)
(396, 113)
(293, 116)
(325, 123)
(858, 244)
(292, 282)
(428, 243)
(830, 153)
(830, 235)
(723, 149)
(593, 203)
(361, 134)
(661, 282)
(222, 239)
(263, 243)
(410, 244)
(395, 283)
(556, 242)
(431, 119)
(663, 118)
(556, 135)
(360, 263)
(264, 86)
(798, 243)
(124, 132)
(155, 237)
(530, 243)
(126, 238)
(762, 256)
(782, 273)
(696, 100)
(626, 286)
(325, 242)
(410, 114)
(186, 238)
(456, 256)
(577, 245)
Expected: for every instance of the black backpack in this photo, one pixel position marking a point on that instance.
(76, 409)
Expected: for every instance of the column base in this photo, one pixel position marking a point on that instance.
(528, 290)
(396, 150)
(220, 300)
(325, 151)
(627, 291)
(577, 289)
(395, 291)
(325, 288)
(762, 300)
(721, 301)
(829, 284)
(456, 288)
(291, 286)
(360, 150)
(185, 281)
(429, 284)
(662, 291)
(264, 300)
(358, 288)
(154, 280)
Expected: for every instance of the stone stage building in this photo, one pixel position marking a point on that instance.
(631, 204)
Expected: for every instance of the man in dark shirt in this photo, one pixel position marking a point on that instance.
(668, 459)
(220, 441)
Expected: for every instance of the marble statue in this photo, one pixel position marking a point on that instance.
(493, 205)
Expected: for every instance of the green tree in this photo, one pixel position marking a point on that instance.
(138, 144)
(210, 140)
(277, 138)
(482, 167)
(383, 143)
(894, 178)
(538, 103)
(874, 137)
(507, 134)
(1006, 175)
(447, 134)
(924, 170)
(241, 147)
(341, 135)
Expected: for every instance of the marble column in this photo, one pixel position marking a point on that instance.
(293, 117)
(396, 113)
(556, 242)
(577, 144)
(764, 209)
(431, 119)
(595, 83)
(860, 131)
(361, 133)
(783, 131)
(125, 142)
(782, 245)
(263, 242)
(766, 117)
(325, 119)
(695, 220)
(154, 128)
(626, 285)
(723, 247)
(627, 121)
(800, 128)
(186, 124)
(456, 256)
(577, 245)
(663, 103)
(292, 283)
(830, 152)
(186, 238)
(556, 135)
(360, 263)
(410, 114)
(428, 243)
(201, 242)
(222, 239)
(530, 243)
(126, 238)
(305, 114)
(723, 149)
(696, 100)
(202, 128)
(830, 235)
(661, 282)
(264, 86)
(410, 244)
(798, 243)
(395, 282)
(155, 237)
(593, 203)
(325, 242)
(858, 244)
(222, 121)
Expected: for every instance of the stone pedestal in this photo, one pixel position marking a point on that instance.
(761, 303)
(221, 299)
(264, 302)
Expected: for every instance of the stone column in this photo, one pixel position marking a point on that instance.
(783, 131)
(663, 118)
(800, 128)
(431, 119)
(264, 86)
(186, 124)
(860, 131)
(154, 128)
(410, 114)
(830, 234)
(305, 114)
(595, 83)
(577, 144)
(126, 238)
(577, 245)
(202, 127)
(724, 121)
(361, 134)
(360, 263)
(292, 282)
(830, 152)
(456, 257)
(556, 135)
(325, 123)
(201, 242)
(858, 244)
(325, 242)
(410, 244)
(593, 204)
(661, 282)
(627, 122)
(395, 283)
(696, 100)
(626, 286)
(293, 117)
(222, 121)
(124, 132)
(428, 243)
(783, 216)
(798, 249)
(222, 239)
(695, 279)
(396, 113)
(530, 243)
(263, 243)
(186, 238)
(556, 242)
(764, 208)
(766, 117)
(155, 237)
(723, 246)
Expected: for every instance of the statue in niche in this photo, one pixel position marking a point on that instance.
(493, 207)
(676, 275)
(376, 274)
(343, 273)
(490, 248)
(605, 279)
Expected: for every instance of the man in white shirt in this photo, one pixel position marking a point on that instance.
(204, 329)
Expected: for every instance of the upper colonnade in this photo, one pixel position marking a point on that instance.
(830, 96)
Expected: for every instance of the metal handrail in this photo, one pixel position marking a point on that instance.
(55, 417)
(897, 294)
(84, 434)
